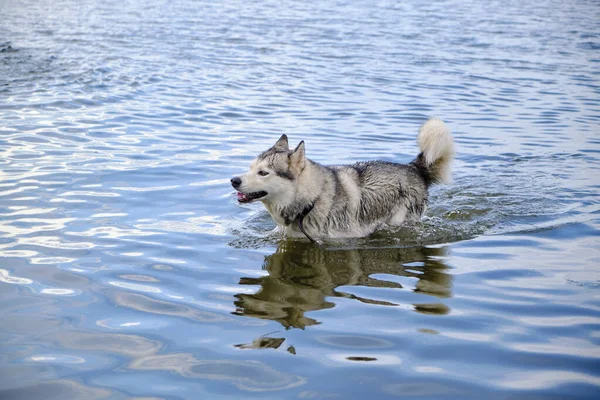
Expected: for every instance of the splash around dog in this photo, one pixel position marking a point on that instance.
(307, 199)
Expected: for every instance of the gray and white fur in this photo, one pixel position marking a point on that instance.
(307, 199)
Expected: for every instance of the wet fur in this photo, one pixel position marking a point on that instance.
(348, 200)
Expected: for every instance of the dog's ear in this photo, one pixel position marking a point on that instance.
(282, 143)
(298, 158)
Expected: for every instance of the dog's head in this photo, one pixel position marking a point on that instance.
(272, 175)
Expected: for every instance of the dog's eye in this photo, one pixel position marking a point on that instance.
(263, 173)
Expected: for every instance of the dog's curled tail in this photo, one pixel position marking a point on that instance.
(437, 151)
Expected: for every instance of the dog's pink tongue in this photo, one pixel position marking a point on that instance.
(240, 196)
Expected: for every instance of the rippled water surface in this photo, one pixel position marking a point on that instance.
(127, 268)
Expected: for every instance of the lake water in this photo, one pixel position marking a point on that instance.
(128, 270)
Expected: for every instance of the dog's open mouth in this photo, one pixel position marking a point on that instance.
(248, 197)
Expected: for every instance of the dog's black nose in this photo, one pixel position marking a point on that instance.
(236, 181)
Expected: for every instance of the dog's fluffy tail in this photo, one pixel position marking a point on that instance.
(437, 151)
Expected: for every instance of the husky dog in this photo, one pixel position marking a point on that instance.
(308, 199)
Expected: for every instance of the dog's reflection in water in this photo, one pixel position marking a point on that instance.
(302, 276)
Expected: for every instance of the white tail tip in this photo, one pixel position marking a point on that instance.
(437, 145)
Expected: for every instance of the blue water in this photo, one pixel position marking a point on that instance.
(128, 270)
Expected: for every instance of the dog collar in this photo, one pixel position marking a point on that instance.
(300, 219)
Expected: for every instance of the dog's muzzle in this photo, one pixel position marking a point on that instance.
(236, 182)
